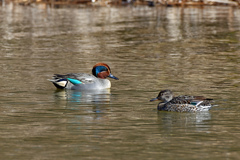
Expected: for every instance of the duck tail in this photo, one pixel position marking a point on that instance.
(59, 83)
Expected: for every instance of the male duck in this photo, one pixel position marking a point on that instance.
(84, 81)
(181, 103)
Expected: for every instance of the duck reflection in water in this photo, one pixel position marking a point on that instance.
(172, 121)
(89, 96)
(84, 107)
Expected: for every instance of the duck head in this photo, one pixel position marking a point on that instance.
(102, 70)
(164, 95)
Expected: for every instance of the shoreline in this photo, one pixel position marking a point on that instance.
(150, 3)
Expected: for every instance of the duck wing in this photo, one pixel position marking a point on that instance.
(82, 77)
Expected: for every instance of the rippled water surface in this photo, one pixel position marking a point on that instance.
(190, 51)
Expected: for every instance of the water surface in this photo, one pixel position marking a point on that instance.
(190, 51)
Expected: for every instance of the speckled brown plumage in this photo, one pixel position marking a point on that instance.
(181, 103)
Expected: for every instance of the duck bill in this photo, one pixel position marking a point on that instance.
(154, 99)
(112, 76)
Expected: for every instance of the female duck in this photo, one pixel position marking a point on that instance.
(181, 103)
(84, 81)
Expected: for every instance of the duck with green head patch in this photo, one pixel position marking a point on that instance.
(84, 81)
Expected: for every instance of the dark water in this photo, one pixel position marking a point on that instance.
(190, 51)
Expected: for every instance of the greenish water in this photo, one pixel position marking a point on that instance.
(190, 51)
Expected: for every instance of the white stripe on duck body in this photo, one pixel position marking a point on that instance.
(181, 103)
(84, 81)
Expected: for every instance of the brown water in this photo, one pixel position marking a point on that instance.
(190, 51)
